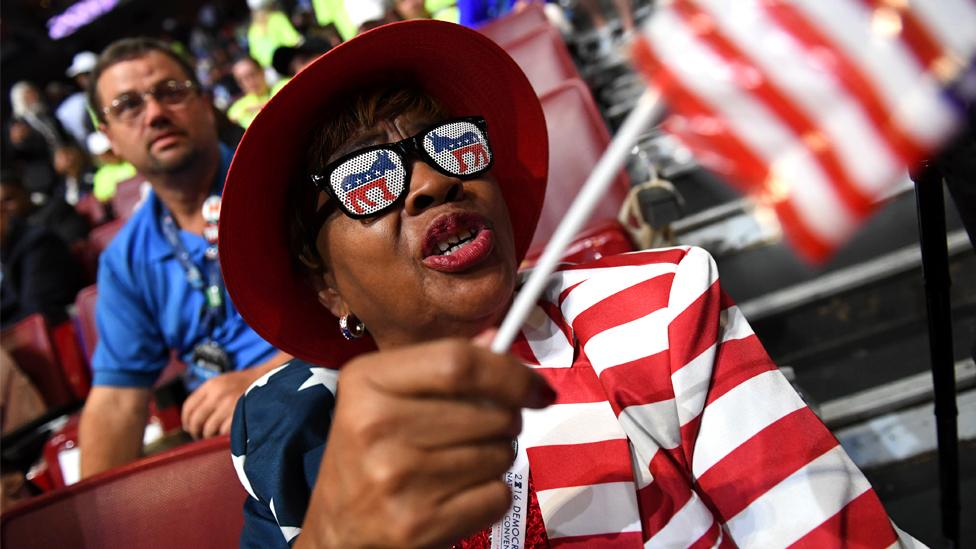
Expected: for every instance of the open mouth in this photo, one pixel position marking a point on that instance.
(456, 242)
(450, 233)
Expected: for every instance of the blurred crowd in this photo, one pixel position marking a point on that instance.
(66, 190)
(60, 174)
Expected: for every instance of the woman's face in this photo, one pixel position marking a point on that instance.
(392, 272)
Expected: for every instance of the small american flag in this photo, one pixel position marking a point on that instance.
(814, 107)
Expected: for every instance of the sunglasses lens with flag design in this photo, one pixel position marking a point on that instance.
(458, 148)
(369, 182)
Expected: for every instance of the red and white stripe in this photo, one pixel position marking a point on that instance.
(814, 106)
(672, 428)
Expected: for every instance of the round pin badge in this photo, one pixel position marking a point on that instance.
(211, 209)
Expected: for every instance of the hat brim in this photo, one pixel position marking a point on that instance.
(465, 71)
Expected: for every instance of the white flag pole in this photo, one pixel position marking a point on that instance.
(593, 191)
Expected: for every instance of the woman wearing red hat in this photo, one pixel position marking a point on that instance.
(372, 224)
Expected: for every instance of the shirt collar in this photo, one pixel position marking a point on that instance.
(159, 247)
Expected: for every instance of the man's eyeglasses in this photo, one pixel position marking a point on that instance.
(369, 181)
(130, 106)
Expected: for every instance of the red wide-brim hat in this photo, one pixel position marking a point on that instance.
(465, 71)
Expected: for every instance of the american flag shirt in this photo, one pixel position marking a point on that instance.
(672, 427)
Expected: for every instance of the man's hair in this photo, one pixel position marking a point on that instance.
(127, 49)
(358, 111)
(246, 57)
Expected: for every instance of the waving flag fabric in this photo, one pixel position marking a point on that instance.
(814, 107)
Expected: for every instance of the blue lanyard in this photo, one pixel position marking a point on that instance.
(213, 291)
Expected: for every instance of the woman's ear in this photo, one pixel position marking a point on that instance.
(329, 297)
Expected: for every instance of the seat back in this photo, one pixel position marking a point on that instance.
(515, 25)
(31, 345)
(92, 210)
(543, 56)
(72, 359)
(100, 237)
(577, 139)
(186, 497)
(85, 311)
(128, 196)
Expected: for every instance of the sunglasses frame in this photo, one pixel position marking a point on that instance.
(406, 149)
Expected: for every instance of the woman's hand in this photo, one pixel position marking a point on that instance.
(419, 442)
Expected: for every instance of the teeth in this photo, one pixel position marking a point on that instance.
(453, 243)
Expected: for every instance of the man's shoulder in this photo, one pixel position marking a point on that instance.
(135, 240)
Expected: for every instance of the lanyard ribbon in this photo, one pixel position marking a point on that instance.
(213, 290)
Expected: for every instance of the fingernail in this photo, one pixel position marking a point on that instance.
(542, 394)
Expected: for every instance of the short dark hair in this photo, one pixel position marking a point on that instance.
(246, 57)
(127, 49)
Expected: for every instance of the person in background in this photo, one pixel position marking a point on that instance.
(20, 403)
(368, 14)
(257, 92)
(111, 171)
(32, 137)
(419, 9)
(288, 60)
(160, 287)
(39, 273)
(333, 12)
(73, 111)
(54, 215)
(269, 29)
(77, 178)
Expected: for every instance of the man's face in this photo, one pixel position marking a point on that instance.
(250, 77)
(411, 9)
(163, 139)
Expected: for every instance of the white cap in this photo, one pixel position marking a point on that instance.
(83, 62)
(364, 11)
(97, 143)
(259, 4)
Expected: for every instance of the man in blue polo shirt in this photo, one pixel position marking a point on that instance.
(159, 282)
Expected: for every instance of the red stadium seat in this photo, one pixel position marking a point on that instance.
(543, 56)
(72, 358)
(577, 139)
(515, 25)
(128, 196)
(92, 210)
(85, 309)
(100, 237)
(186, 497)
(32, 346)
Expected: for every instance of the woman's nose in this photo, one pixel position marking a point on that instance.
(430, 188)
